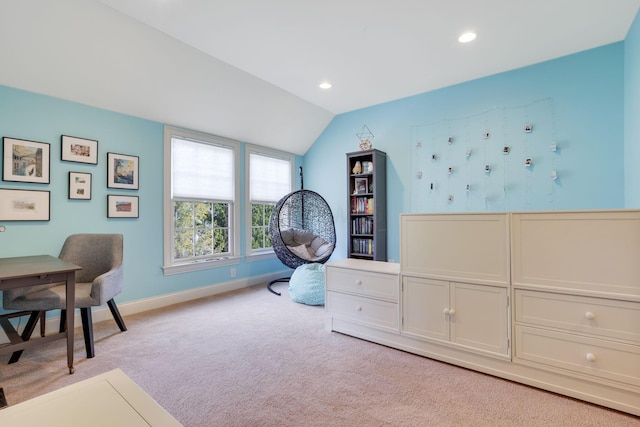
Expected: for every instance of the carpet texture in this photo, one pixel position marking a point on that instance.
(250, 358)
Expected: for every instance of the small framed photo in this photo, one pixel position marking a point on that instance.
(24, 205)
(122, 171)
(120, 206)
(80, 185)
(79, 150)
(362, 185)
(25, 161)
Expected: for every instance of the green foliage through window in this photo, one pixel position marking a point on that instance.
(260, 215)
(201, 229)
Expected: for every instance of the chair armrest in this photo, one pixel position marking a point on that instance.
(107, 285)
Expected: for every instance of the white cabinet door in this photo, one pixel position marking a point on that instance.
(475, 316)
(424, 302)
(478, 317)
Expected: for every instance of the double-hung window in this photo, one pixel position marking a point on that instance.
(201, 213)
(269, 175)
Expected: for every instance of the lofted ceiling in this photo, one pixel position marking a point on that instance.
(250, 69)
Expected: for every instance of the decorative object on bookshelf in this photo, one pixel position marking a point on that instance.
(367, 205)
(357, 168)
(365, 136)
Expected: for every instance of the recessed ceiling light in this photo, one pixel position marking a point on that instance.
(467, 37)
(325, 85)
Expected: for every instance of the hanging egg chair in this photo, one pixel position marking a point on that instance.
(302, 230)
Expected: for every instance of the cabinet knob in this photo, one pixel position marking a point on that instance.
(591, 357)
(449, 311)
(358, 308)
(445, 311)
(359, 282)
(589, 315)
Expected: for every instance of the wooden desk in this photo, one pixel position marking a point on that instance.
(40, 270)
(109, 399)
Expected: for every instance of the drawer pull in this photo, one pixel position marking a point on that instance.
(358, 308)
(589, 315)
(359, 282)
(591, 357)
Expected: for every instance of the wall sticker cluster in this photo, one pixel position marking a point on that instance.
(497, 160)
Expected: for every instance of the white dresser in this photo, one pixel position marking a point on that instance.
(548, 299)
(362, 298)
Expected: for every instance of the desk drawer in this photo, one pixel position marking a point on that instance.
(364, 310)
(595, 357)
(374, 285)
(594, 316)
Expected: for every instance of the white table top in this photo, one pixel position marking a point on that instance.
(110, 399)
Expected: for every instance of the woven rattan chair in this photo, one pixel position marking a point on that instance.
(302, 230)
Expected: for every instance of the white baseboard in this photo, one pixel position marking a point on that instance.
(100, 314)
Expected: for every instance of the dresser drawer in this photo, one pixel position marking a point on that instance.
(591, 356)
(367, 311)
(374, 285)
(595, 316)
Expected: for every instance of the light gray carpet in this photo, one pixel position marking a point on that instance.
(250, 358)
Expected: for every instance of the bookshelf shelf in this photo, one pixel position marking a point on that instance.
(367, 201)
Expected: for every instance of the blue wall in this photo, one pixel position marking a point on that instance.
(576, 101)
(632, 115)
(40, 118)
(587, 103)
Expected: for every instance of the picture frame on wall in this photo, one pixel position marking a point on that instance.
(79, 185)
(25, 161)
(24, 205)
(122, 171)
(79, 150)
(122, 206)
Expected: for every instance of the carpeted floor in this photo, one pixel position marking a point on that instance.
(250, 358)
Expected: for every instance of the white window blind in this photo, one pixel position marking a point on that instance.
(201, 171)
(270, 178)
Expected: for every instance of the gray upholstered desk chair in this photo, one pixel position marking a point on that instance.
(99, 281)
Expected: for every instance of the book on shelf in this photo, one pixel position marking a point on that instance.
(362, 205)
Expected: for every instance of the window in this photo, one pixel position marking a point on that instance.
(200, 201)
(269, 174)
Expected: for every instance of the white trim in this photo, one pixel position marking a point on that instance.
(168, 263)
(256, 149)
(169, 270)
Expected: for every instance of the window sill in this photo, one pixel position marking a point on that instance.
(260, 256)
(199, 265)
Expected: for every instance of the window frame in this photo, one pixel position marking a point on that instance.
(263, 253)
(171, 266)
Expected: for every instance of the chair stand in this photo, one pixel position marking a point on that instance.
(283, 279)
(116, 315)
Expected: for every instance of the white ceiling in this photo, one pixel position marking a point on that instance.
(250, 69)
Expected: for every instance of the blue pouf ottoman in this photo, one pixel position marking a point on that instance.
(306, 285)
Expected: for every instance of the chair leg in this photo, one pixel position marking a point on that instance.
(43, 323)
(63, 321)
(116, 314)
(26, 334)
(87, 329)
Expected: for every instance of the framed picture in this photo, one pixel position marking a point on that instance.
(79, 150)
(119, 206)
(362, 185)
(122, 171)
(80, 185)
(24, 205)
(25, 161)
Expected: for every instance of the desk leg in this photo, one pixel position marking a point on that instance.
(71, 298)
